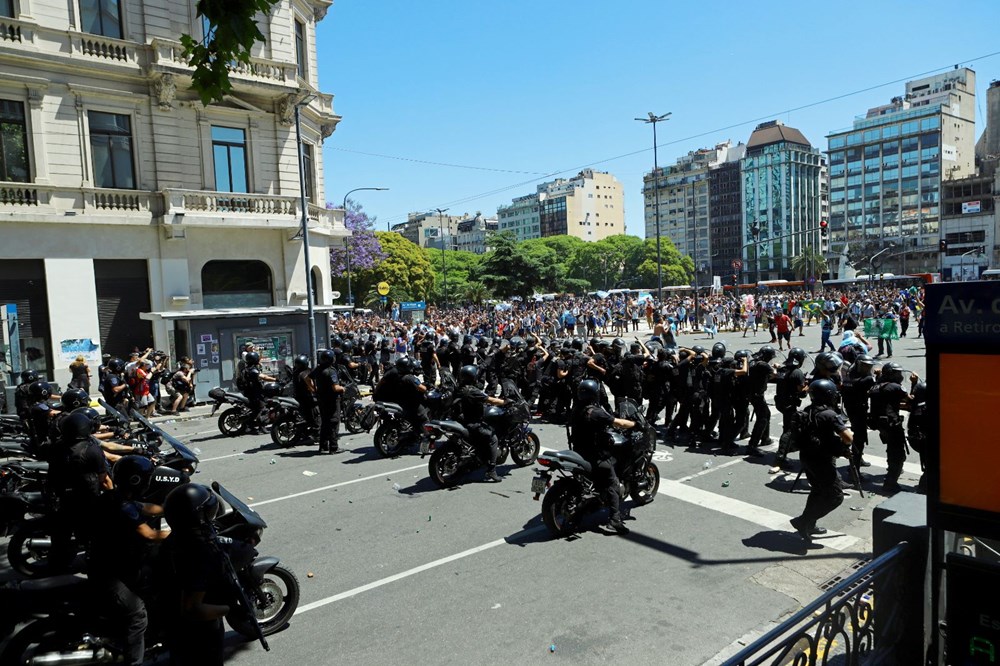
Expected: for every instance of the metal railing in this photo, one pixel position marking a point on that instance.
(840, 626)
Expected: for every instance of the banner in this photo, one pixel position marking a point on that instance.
(885, 329)
(70, 349)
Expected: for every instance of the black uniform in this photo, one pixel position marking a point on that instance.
(819, 445)
(193, 565)
(588, 427)
(787, 399)
(306, 400)
(472, 402)
(723, 413)
(428, 364)
(758, 375)
(253, 389)
(327, 381)
(411, 399)
(681, 384)
(854, 391)
(885, 404)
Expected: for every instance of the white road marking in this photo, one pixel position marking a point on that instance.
(231, 455)
(337, 485)
(709, 470)
(751, 513)
(876, 461)
(412, 572)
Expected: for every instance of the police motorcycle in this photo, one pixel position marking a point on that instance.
(236, 420)
(573, 494)
(26, 514)
(450, 445)
(288, 427)
(63, 625)
(395, 433)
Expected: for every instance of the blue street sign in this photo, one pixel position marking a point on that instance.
(384, 299)
(407, 306)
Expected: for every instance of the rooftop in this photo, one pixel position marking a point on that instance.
(775, 131)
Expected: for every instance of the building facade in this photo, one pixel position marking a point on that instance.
(473, 233)
(431, 229)
(969, 226)
(782, 200)
(725, 214)
(886, 172)
(122, 195)
(590, 206)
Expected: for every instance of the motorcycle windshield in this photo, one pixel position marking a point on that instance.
(249, 515)
(121, 418)
(179, 447)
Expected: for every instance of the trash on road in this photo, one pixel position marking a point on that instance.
(310, 574)
(552, 648)
(428, 519)
(857, 508)
(495, 606)
(306, 472)
(725, 484)
(273, 461)
(396, 487)
(708, 463)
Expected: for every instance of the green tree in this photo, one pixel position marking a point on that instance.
(476, 293)
(405, 268)
(460, 266)
(232, 33)
(809, 262)
(508, 270)
(677, 268)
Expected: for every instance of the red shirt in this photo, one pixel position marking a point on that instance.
(783, 323)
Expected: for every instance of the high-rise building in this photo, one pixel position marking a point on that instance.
(431, 229)
(969, 226)
(725, 214)
(132, 214)
(886, 172)
(591, 206)
(782, 200)
(988, 147)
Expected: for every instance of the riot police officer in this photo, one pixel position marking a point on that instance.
(760, 373)
(855, 388)
(791, 386)
(253, 383)
(304, 391)
(822, 435)
(588, 435)
(887, 398)
(326, 379)
(472, 403)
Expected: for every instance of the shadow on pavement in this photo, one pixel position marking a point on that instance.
(772, 540)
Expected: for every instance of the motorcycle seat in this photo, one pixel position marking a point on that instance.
(34, 465)
(53, 584)
(290, 402)
(453, 427)
(389, 406)
(572, 457)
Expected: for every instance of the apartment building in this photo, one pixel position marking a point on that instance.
(132, 215)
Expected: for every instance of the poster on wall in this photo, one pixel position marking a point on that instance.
(70, 349)
(275, 349)
(200, 349)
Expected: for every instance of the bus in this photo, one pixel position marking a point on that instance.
(883, 279)
(990, 274)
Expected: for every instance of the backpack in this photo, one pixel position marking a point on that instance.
(614, 377)
(240, 379)
(803, 431)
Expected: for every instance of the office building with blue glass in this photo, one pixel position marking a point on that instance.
(886, 173)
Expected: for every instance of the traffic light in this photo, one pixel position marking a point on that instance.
(944, 245)
(736, 279)
(823, 228)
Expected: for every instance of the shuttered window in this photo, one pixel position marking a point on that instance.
(122, 293)
(22, 282)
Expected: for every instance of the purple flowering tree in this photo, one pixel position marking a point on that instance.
(364, 248)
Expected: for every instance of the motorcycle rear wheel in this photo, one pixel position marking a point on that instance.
(524, 451)
(445, 466)
(27, 557)
(231, 423)
(284, 432)
(559, 508)
(388, 439)
(649, 477)
(280, 592)
(353, 420)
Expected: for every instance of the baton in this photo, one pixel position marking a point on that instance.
(856, 477)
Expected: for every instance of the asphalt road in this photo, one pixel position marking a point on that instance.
(468, 576)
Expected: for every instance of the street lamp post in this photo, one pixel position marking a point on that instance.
(347, 246)
(303, 204)
(652, 120)
(444, 270)
(871, 261)
(961, 265)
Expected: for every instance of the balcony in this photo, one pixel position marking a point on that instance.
(30, 202)
(231, 209)
(104, 49)
(167, 55)
(12, 30)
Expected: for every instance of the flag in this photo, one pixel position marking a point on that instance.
(881, 328)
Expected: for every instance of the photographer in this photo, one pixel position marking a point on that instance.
(182, 382)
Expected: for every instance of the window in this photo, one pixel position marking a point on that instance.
(300, 47)
(111, 146)
(101, 17)
(229, 284)
(230, 151)
(308, 172)
(14, 146)
(7, 8)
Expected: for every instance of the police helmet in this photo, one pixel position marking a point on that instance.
(405, 365)
(823, 392)
(116, 365)
(347, 347)
(766, 353)
(132, 474)
(190, 506)
(619, 343)
(829, 362)
(797, 355)
(742, 354)
(517, 342)
(595, 342)
(698, 349)
(588, 392)
(919, 392)
(892, 372)
(719, 350)
(577, 344)
(75, 427)
(92, 414)
(75, 397)
(252, 359)
(326, 357)
(40, 390)
(336, 341)
(271, 389)
(494, 416)
(453, 336)
(483, 343)
(635, 348)
(29, 376)
(468, 375)
(300, 362)
(863, 365)
(468, 340)
(684, 354)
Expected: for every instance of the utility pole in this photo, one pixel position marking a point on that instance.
(652, 120)
(444, 270)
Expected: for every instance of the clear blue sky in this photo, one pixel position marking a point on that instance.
(531, 87)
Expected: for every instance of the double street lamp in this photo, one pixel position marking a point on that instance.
(444, 271)
(652, 120)
(347, 245)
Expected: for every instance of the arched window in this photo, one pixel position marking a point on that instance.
(236, 284)
(317, 285)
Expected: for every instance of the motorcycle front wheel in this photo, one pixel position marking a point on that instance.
(525, 449)
(559, 508)
(645, 485)
(231, 423)
(274, 603)
(445, 465)
(388, 439)
(353, 420)
(284, 432)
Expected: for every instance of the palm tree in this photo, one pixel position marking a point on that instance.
(476, 292)
(809, 262)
